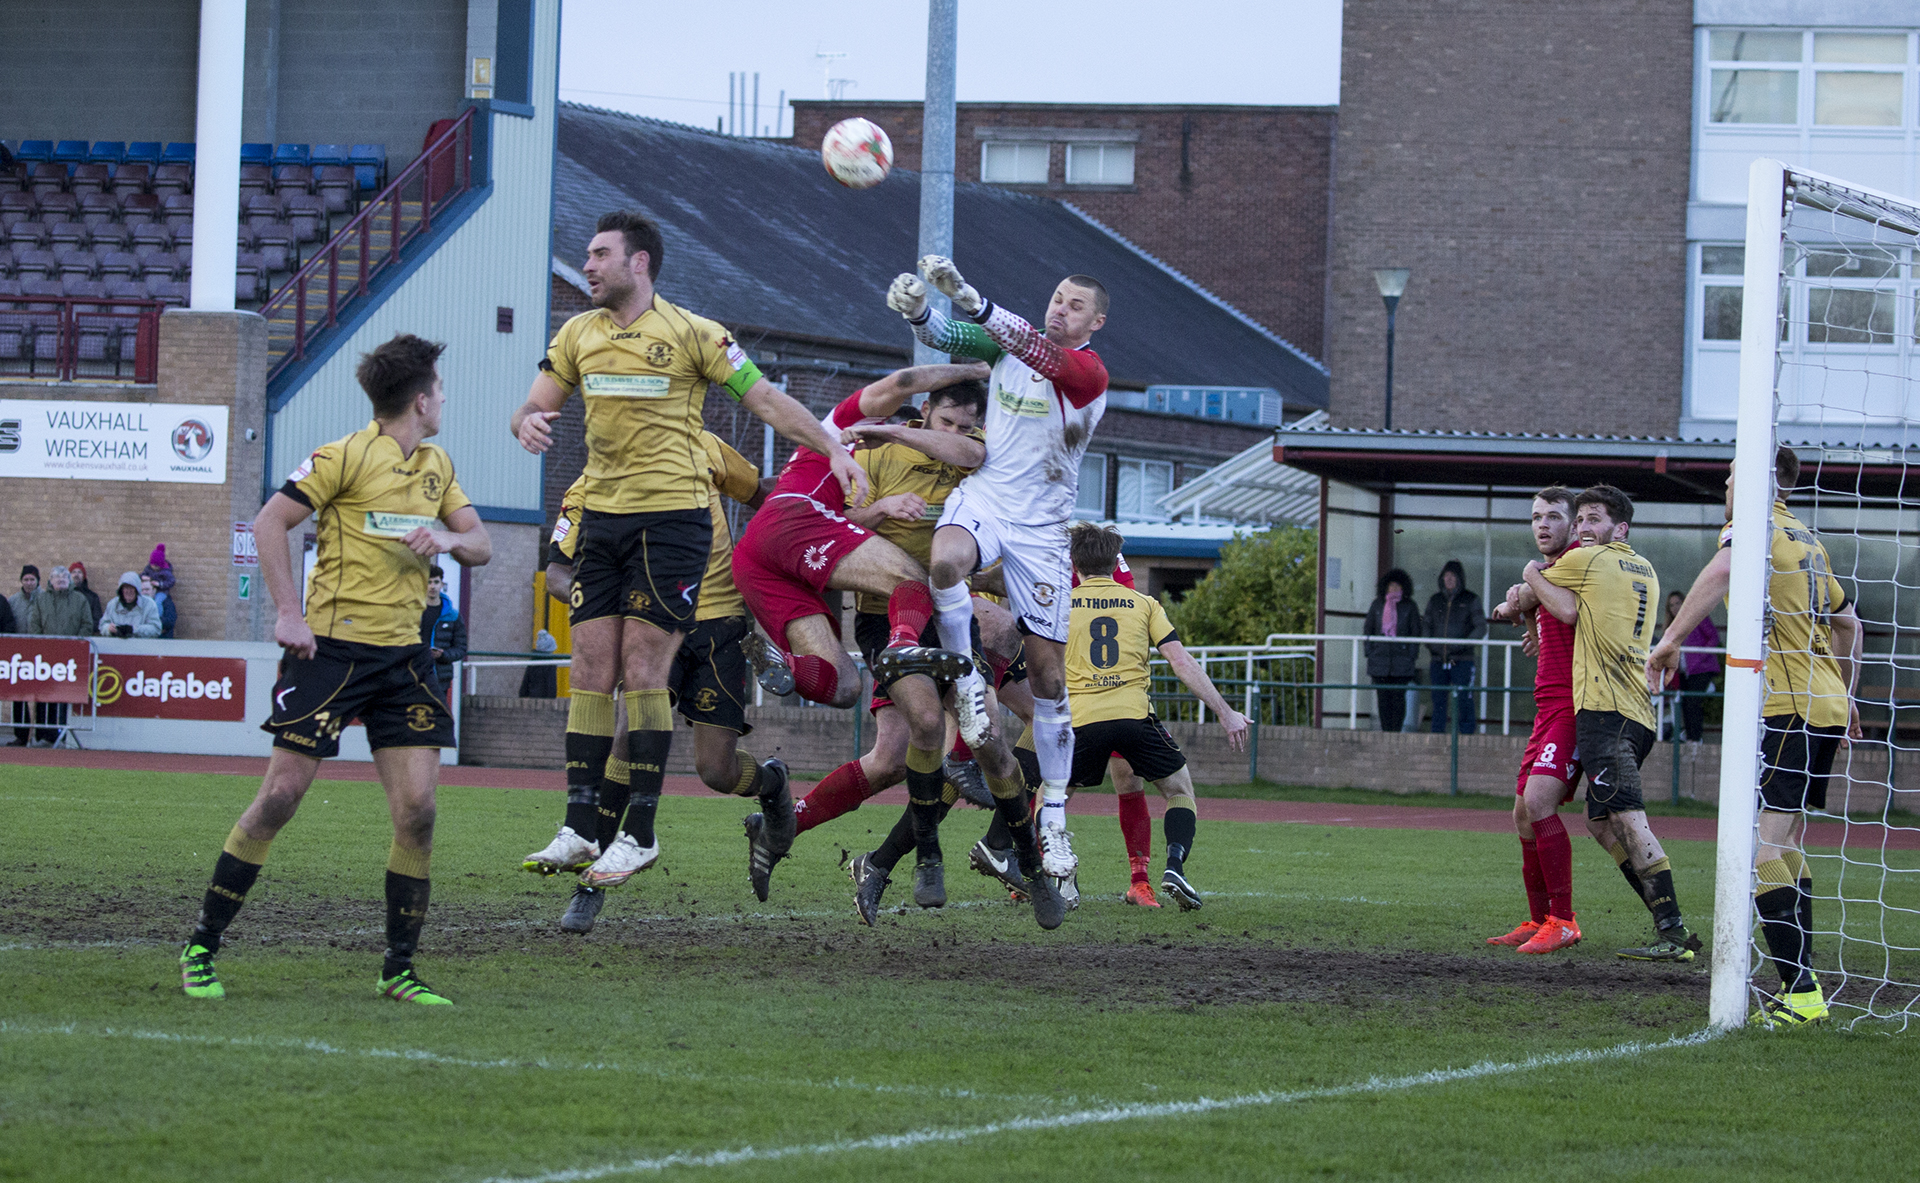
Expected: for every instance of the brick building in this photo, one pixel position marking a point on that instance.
(1235, 197)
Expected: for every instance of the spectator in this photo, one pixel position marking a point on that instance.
(6, 617)
(161, 600)
(443, 630)
(161, 572)
(17, 602)
(58, 611)
(130, 614)
(1390, 663)
(77, 577)
(1697, 670)
(1453, 614)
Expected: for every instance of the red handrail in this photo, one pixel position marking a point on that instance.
(109, 317)
(321, 272)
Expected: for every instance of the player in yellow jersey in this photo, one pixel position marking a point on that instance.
(1813, 659)
(643, 367)
(1610, 594)
(708, 685)
(1113, 632)
(384, 503)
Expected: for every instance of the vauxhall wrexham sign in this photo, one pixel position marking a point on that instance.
(113, 441)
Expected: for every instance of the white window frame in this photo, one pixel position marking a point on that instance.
(1021, 148)
(1149, 510)
(1100, 149)
(1808, 71)
(1094, 490)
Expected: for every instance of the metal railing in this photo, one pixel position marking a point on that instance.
(68, 338)
(372, 241)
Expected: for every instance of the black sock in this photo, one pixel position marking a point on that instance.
(611, 807)
(232, 879)
(406, 912)
(1779, 910)
(999, 836)
(898, 843)
(586, 768)
(647, 764)
(924, 792)
(1179, 825)
(1627, 872)
(1016, 815)
(1029, 762)
(1804, 915)
(1659, 897)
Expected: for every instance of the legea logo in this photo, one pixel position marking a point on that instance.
(192, 440)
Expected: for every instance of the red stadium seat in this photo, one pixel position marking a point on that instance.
(48, 177)
(139, 207)
(131, 178)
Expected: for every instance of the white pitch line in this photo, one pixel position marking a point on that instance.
(421, 1056)
(1102, 1116)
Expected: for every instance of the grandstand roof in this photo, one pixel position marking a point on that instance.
(760, 238)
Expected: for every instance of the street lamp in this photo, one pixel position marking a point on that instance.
(1393, 284)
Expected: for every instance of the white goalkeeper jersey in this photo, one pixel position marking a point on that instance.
(1035, 442)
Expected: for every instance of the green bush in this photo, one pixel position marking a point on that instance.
(1263, 584)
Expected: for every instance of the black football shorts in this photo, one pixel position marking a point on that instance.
(390, 688)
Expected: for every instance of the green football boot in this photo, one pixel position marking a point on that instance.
(406, 986)
(196, 973)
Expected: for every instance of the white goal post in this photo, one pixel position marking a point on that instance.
(1830, 363)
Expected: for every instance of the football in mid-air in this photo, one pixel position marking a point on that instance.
(857, 153)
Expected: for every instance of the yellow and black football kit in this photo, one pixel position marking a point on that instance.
(1112, 633)
(1619, 594)
(365, 598)
(645, 527)
(1807, 707)
(709, 677)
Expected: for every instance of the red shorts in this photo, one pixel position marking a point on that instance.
(1551, 751)
(783, 562)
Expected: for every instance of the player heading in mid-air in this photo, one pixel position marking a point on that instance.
(643, 366)
(1812, 660)
(1610, 594)
(1048, 392)
(1550, 768)
(384, 502)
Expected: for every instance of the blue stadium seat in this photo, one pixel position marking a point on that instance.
(334, 154)
(256, 153)
(143, 152)
(107, 152)
(369, 163)
(71, 151)
(291, 153)
(178, 154)
(34, 151)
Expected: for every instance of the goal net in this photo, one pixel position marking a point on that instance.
(1829, 366)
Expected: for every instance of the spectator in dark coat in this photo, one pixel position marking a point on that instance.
(17, 602)
(443, 630)
(169, 615)
(161, 573)
(6, 618)
(59, 611)
(1390, 662)
(77, 573)
(1453, 614)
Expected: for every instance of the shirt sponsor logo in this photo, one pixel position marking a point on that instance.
(626, 385)
(1032, 406)
(396, 525)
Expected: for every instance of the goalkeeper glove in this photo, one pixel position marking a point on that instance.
(942, 274)
(908, 296)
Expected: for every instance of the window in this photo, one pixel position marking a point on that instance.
(1720, 301)
(1142, 484)
(1093, 486)
(1014, 163)
(1852, 79)
(1099, 164)
(1846, 302)
(513, 53)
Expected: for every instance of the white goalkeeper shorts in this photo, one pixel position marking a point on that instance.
(1033, 560)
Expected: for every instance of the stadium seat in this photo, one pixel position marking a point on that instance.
(126, 289)
(308, 217)
(13, 178)
(99, 207)
(6, 262)
(82, 286)
(369, 163)
(18, 207)
(279, 244)
(48, 177)
(70, 151)
(178, 154)
(292, 178)
(42, 287)
(255, 179)
(55, 207)
(26, 235)
(109, 236)
(169, 291)
(139, 207)
(131, 177)
(179, 209)
(246, 288)
(107, 152)
(334, 154)
(161, 265)
(89, 178)
(261, 154)
(172, 178)
(33, 262)
(292, 154)
(9, 286)
(335, 187)
(119, 264)
(154, 235)
(145, 152)
(183, 236)
(262, 209)
(34, 151)
(68, 235)
(72, 261)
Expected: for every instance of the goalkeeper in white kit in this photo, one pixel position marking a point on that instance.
(1046, 393)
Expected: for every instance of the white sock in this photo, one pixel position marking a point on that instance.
(1053, 741)
(953, 613)
(1053, 805)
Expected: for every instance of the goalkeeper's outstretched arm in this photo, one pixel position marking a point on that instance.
(908, 296)
(1078, 374)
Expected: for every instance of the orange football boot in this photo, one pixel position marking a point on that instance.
(1141, 893)
(1518, 936)
(1554, 934)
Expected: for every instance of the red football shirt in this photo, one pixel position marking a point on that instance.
(1123, 576)
(1553, 679)
(809, 474)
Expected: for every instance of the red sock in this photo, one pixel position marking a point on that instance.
(909, 609)
(961, 752)
(1136, 830)
(1556, 864)
(841, 792)
(1530, 875)
(815, 678)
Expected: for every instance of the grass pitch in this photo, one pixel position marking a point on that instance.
(1331, 1011)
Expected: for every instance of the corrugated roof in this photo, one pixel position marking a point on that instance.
(758, 237)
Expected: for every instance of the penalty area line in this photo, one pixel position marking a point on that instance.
(1106, 1115)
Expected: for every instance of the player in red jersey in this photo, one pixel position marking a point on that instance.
(800, 544)
(1550, 769)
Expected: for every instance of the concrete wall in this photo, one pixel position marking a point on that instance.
(1246, 219)
(1528, 161)
(112, 526)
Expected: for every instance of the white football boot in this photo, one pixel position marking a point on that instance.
(624, 859)
(567, 852)
(970, 702)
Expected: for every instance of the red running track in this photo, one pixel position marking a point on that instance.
(1317, 813)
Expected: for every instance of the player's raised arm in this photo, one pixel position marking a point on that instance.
(788, 416)
(1073, 315)
(948, 447)
(1194, 676)
(1560, 601)
(881, 399)
(1709, 588)
(532, 422)
(1847, 636)
(908, 296)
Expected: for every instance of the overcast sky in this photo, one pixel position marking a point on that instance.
(671, 61)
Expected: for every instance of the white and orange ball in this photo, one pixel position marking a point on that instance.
(857, 153)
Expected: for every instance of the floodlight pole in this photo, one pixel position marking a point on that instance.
(1392, 282)
(936, 147)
